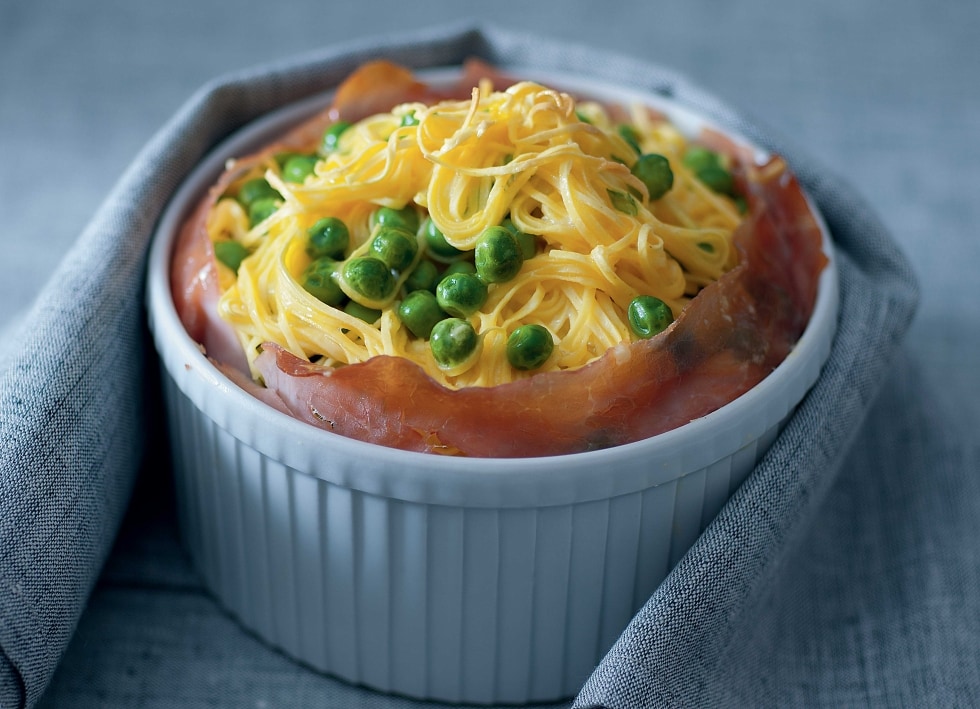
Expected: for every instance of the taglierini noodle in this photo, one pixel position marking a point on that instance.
(560, 175)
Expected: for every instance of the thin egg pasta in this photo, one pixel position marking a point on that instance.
(557, 174)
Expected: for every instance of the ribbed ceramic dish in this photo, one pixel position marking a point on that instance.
(463, 580)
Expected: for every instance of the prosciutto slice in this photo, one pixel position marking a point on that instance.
(730, 337)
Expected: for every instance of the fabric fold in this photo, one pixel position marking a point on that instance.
(73, 398)
(681, 648)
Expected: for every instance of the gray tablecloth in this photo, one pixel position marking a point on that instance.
(842, 573)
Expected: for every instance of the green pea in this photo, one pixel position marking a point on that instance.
(327, 237)
(436, 243)
(362, 312)
(648, 316)
(281, 158)
(708, 167)
(331, 136)
(718, 179)
(654, 171)
(529, 346)
(631, 136)
(424, 276)
(528, 242)
(420, 311)
(409, 119)
(230, 253)
(262, 209)
(498, 256)
(298, 167)
(405, 218)
(460, 266)
(319, 280)
(461, 294)
(624, 202)
(453, 341)
(396, 247)
(256, 189)
(369, 277)
(697, 158)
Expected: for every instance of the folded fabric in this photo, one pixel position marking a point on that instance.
(73, 427)
(689, 644)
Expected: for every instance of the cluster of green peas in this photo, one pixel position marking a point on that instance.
(440, 292)
(437, 303)
(655, 172)
(261, 200)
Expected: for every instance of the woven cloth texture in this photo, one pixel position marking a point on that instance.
(73, 428)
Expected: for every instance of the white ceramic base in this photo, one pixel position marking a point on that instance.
(462, 604)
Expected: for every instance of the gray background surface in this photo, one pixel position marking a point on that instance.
(885, 93)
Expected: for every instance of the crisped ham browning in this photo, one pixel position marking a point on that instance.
(731, 336)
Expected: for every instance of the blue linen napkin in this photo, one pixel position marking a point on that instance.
(74, 404)
(687, 645)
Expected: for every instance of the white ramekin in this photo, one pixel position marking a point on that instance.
(463, 580)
